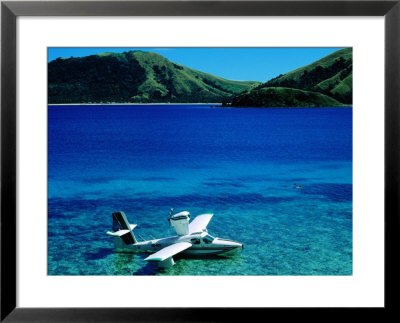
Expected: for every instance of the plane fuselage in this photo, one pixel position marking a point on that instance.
(202, 244)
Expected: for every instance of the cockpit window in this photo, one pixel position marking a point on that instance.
(195, 241)
(208, 239)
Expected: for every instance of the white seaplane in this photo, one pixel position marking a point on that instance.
(192, 239)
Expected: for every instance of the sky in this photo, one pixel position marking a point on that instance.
(233, 63)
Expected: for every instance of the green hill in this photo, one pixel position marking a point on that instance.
(284, 97)
(331, 75)
(326, 82)
(136, 77)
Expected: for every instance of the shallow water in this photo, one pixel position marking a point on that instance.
(240, 164)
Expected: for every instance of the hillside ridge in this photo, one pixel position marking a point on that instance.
(135, 77)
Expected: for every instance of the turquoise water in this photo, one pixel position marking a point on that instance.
(240, 164)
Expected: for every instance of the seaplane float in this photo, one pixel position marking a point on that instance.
(191, 239)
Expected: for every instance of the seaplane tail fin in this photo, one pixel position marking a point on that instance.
(122, 228)
(199, 224)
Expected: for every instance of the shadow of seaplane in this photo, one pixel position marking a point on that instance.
(190, 239)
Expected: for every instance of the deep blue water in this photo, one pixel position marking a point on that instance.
(240, 164)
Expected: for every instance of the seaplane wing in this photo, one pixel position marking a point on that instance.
(169, 251)
(199, 224)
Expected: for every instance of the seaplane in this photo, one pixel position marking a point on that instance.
(191, 239)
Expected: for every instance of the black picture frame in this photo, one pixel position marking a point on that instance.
(10, 10)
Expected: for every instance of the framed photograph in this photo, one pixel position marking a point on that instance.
(170, 160)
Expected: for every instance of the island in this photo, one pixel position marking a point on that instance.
(147, 77)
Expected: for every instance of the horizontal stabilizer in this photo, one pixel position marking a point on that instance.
(120, 233)
(199, 224)
(169, 251)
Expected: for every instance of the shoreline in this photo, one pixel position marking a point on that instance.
(135, 104)
(214, 105)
